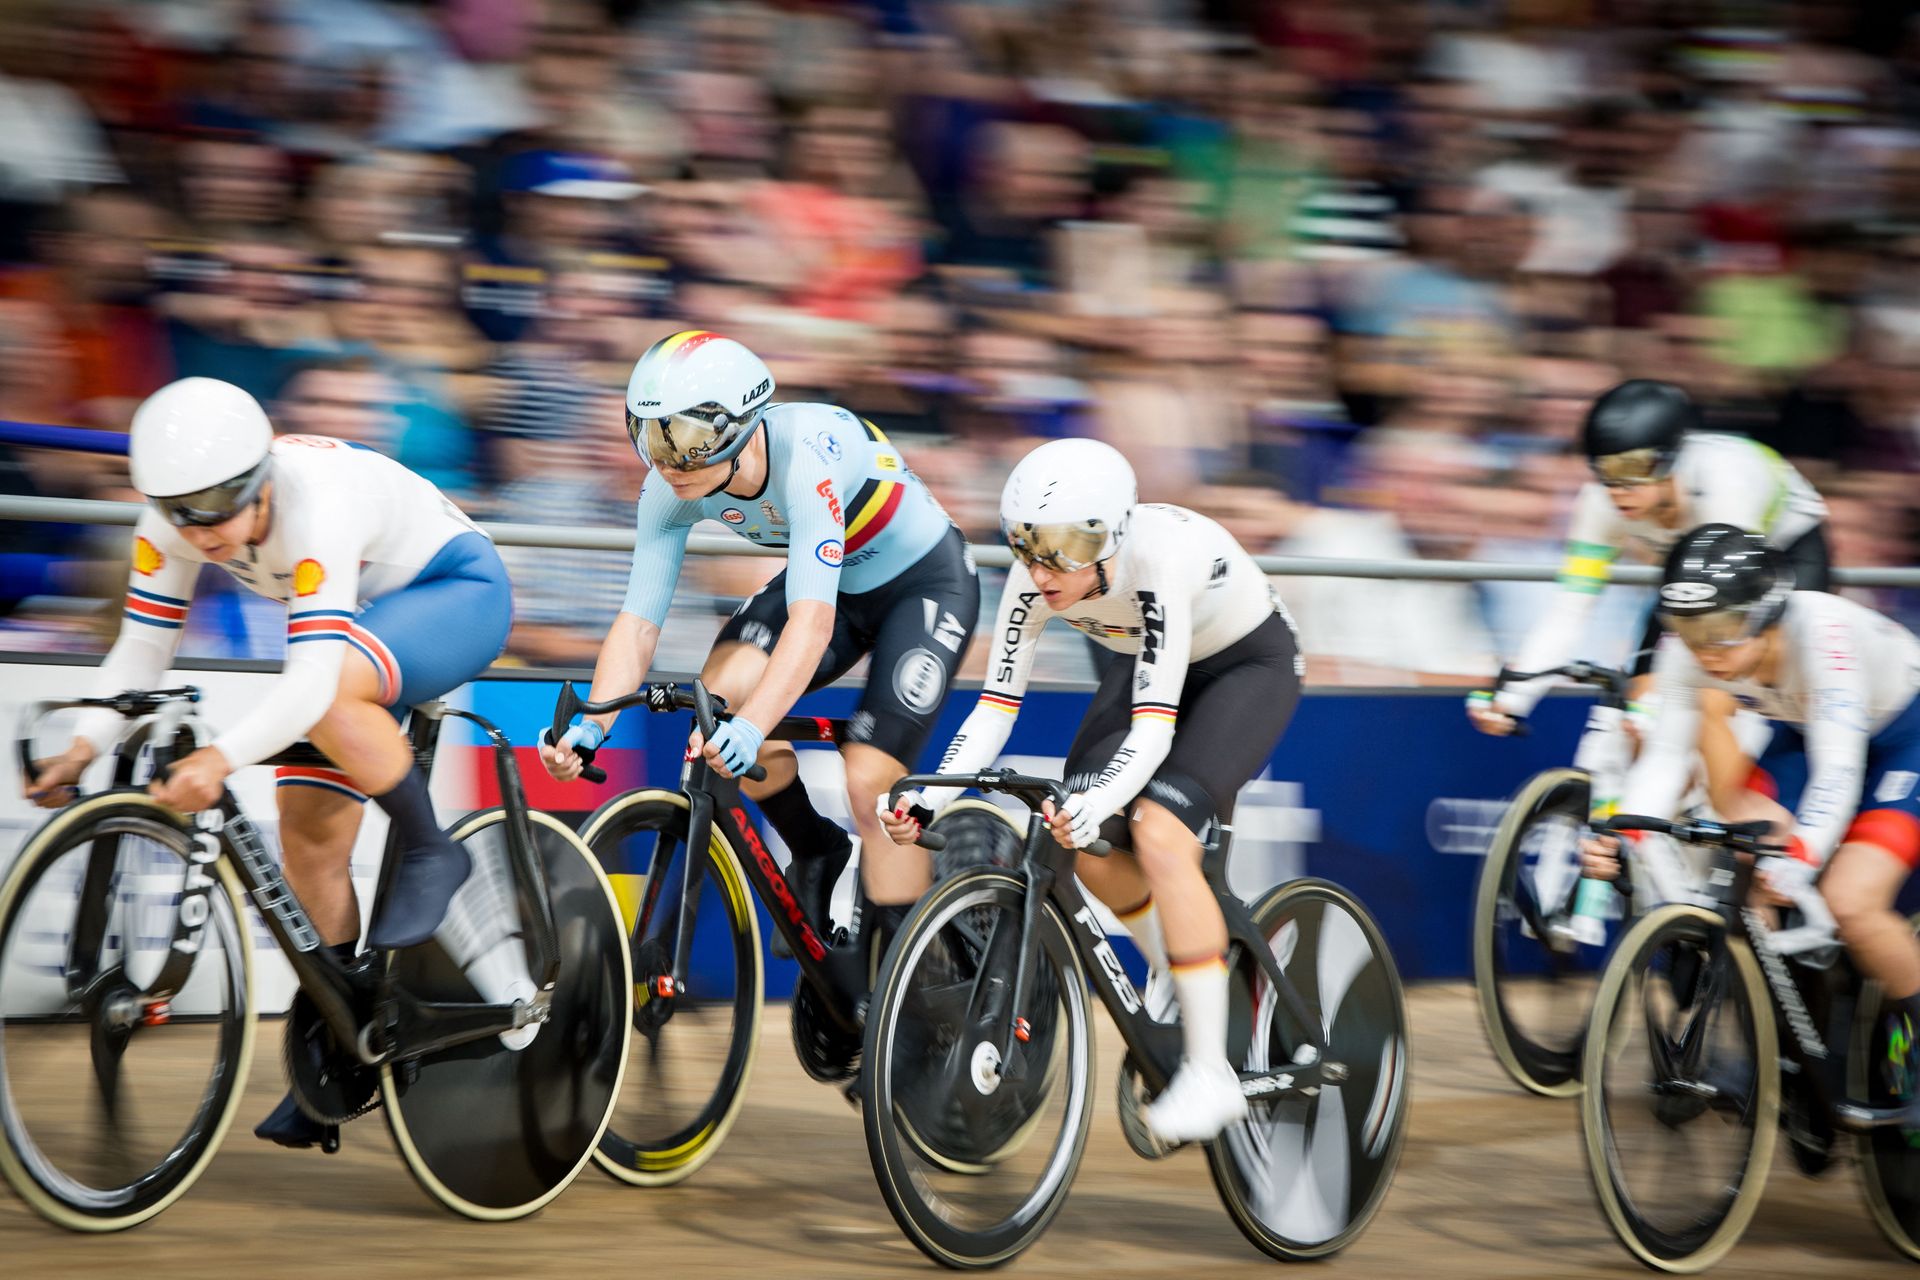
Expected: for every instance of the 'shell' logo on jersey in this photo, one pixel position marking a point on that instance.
(147, 558)
(825, 490)
(307, 577)
(1153, 627)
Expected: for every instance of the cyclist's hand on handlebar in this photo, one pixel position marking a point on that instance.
(735, 746)
(1074, 826)
(1489, 719)
(194, 783)
(1779, 880)
(55, 782)
(1600, 857)
(560, 758)
(903, 827)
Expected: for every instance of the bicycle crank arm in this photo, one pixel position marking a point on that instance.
(429, 1027)
(1304, 1081)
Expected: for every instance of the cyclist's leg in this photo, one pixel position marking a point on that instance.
(1860, 883)
(919, 625)
(418, 657)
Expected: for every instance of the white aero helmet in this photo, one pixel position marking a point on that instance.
(1066, 505)
(199, 450)
(694, 400)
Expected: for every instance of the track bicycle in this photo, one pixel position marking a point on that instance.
(979, 1052)
(1714, 1029)
(687, 865)
(127, 1014)
(1541, 933)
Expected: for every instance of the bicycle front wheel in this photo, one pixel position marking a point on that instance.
(1683, 1094)
(690, 1053)
(975, 1158)
(1534, 999)
(112, 1102)
(1301, 1177)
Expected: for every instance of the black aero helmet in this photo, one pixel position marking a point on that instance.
(1633, 432)
(1723, 585)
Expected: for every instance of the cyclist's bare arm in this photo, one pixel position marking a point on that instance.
(792, 665)
(1727, 766)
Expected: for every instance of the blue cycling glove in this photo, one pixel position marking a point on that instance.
(738, 742)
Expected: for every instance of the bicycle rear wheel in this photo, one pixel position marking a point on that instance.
(689, 1054)
(1301, 1177)
(113, 1105)
(974, 1163)
(1889, 1160)
(495, 1133)
(1534, 1000)
(1683, 1095)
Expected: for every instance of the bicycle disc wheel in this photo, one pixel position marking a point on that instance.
(495, 1133)
(688, 1055)
(1889, 1160)
(112, 1106)
(974, 1162)
(1534, 1000)
(1683, 1095)
(1301, 1177)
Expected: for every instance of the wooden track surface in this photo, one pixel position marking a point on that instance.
(1492, 1184)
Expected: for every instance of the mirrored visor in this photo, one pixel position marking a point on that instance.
(681, 441)
(1634, 467)
(1717, 630)
(215, 504)
(1061, 547)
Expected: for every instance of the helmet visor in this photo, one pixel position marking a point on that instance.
(1719, 629)
(1061, 547)
(215, 504)
(683, 441)
(1630, 469)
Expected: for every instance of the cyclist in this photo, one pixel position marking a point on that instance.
(1170, 738)
(1840, 681)
(874, 567)
(371, 561)
(1656, 474)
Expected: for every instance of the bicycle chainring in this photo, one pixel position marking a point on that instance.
(329, 1084)
(1133, 1101)
(826, 1053)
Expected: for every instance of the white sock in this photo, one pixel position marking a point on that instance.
(1202, 991)
(1144, 925)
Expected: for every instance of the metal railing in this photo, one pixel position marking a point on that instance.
(606, 538)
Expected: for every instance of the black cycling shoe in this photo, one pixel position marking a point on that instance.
(289, 1126)
(422, 889)
(812, 879)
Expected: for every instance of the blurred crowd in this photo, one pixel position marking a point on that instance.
(1342, 273)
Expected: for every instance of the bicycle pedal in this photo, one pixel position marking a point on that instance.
(330, 1140)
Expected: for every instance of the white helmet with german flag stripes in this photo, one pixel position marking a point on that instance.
(694, 400)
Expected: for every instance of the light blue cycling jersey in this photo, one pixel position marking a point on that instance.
(817, 455)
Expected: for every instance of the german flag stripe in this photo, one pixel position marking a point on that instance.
(874, 515)
(678, 346)
(1156, 711)
(1001, 702)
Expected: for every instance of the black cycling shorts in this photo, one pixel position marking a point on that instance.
(916, 628)
(1807, 556)
(1233, 709)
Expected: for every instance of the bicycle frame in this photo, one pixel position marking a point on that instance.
(380, 1018)
(1046, 868)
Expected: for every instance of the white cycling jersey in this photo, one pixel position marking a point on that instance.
(1179, 589)
(1716, 478)
(348, 525)
(1846, 673)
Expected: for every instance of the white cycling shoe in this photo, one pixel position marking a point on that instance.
(1202, 1099)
